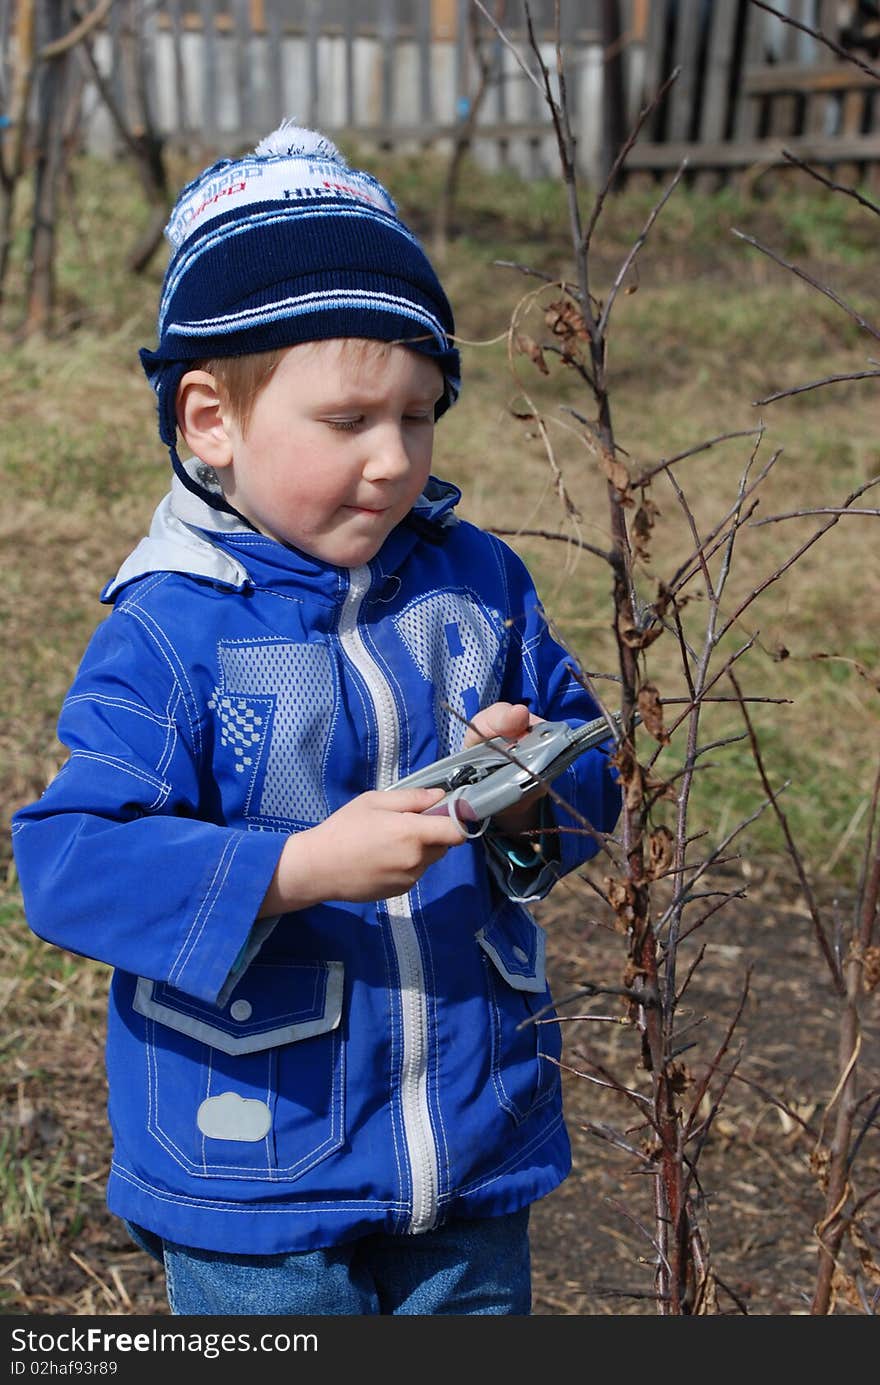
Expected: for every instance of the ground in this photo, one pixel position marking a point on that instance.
(762, 1200)
(591, 1238)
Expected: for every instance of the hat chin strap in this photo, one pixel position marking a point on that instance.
(217, 502)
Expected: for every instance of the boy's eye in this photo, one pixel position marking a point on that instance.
(345, 425)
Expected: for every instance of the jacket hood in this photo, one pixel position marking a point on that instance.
(187, 535)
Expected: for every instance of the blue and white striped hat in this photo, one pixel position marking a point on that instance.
(287, 245)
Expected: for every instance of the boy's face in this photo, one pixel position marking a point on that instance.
(337, 449)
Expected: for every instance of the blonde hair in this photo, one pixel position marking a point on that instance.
(241, 379)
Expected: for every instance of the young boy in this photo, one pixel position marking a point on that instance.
(325, 1096)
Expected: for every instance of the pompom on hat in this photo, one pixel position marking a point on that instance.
(288, 245)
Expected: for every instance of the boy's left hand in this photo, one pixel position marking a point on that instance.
(510, 720)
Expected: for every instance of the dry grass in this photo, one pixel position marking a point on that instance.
(712, 327)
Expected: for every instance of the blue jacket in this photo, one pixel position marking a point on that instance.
(305, 1080)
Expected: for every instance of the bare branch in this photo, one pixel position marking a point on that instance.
(605, 1132)
(602, 325)
(830, 183)
(814, 283)
(612, 1202)
(622, 155)
(78, 32)
(815, 385)
(714, 1064)
(511, 47)
(820, 510)
(554, 536)
(822, 38)
(808, 543)
(664, 463)
(607, 1079)
(869, 882)
(796, 858)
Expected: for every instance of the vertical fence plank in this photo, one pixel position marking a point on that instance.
(822, 109)
(349, 33)
(569, 17)
(748, 109)
(784, 109)
(425, 66)
(613, 97)
(209, 72)
(243, 66)
(500, 67)
(682, 98)
(535, 115)
(654, 69)
(313, 39)
(714, 122)
(5, 49)
(180, 84)
(716, 86)
(462, 59)
(389, 55)
(274, 38)
(636, 19)
(119, 17)
(144, 39)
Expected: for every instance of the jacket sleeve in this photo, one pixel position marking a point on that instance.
(125, 858)
(586, 802)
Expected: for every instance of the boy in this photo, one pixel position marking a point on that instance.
(324, 1094)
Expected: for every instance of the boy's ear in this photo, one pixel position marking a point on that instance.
(200, 419)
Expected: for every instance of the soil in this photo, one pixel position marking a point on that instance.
(592, 1238)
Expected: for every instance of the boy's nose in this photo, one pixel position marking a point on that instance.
(388, 458)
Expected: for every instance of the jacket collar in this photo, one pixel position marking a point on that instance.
(188, 536)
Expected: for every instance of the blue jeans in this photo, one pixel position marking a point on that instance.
(465, 1267)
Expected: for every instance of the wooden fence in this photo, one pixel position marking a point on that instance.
(215, 75)
(751, 86)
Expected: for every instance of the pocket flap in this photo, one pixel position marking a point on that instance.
(273, 1004)
(517, 946)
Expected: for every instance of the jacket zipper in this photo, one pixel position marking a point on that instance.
(418, 1131)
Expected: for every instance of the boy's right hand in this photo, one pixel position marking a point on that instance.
(375, 847)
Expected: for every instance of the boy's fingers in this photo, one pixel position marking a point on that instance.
(411, 800)
(508, 719)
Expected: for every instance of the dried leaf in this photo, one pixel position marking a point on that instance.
(527, 346)
(642, 528)
(631, 776)
(661, 846)
(621, 896)
(632, 973)
(865, 1252)
(660, 788)
(844, 1287)
(651, 712)
(634, 638)
(634, 792)
(679, 1077)
(566, 321)
(871, 968)
(616, 473)
(820, 1161)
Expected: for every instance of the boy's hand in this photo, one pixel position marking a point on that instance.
(375, 847)
(510, 720)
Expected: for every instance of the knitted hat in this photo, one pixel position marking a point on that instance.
(287, 245)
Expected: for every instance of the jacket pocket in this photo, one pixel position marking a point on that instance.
(525, 1049)
(252, 1089)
